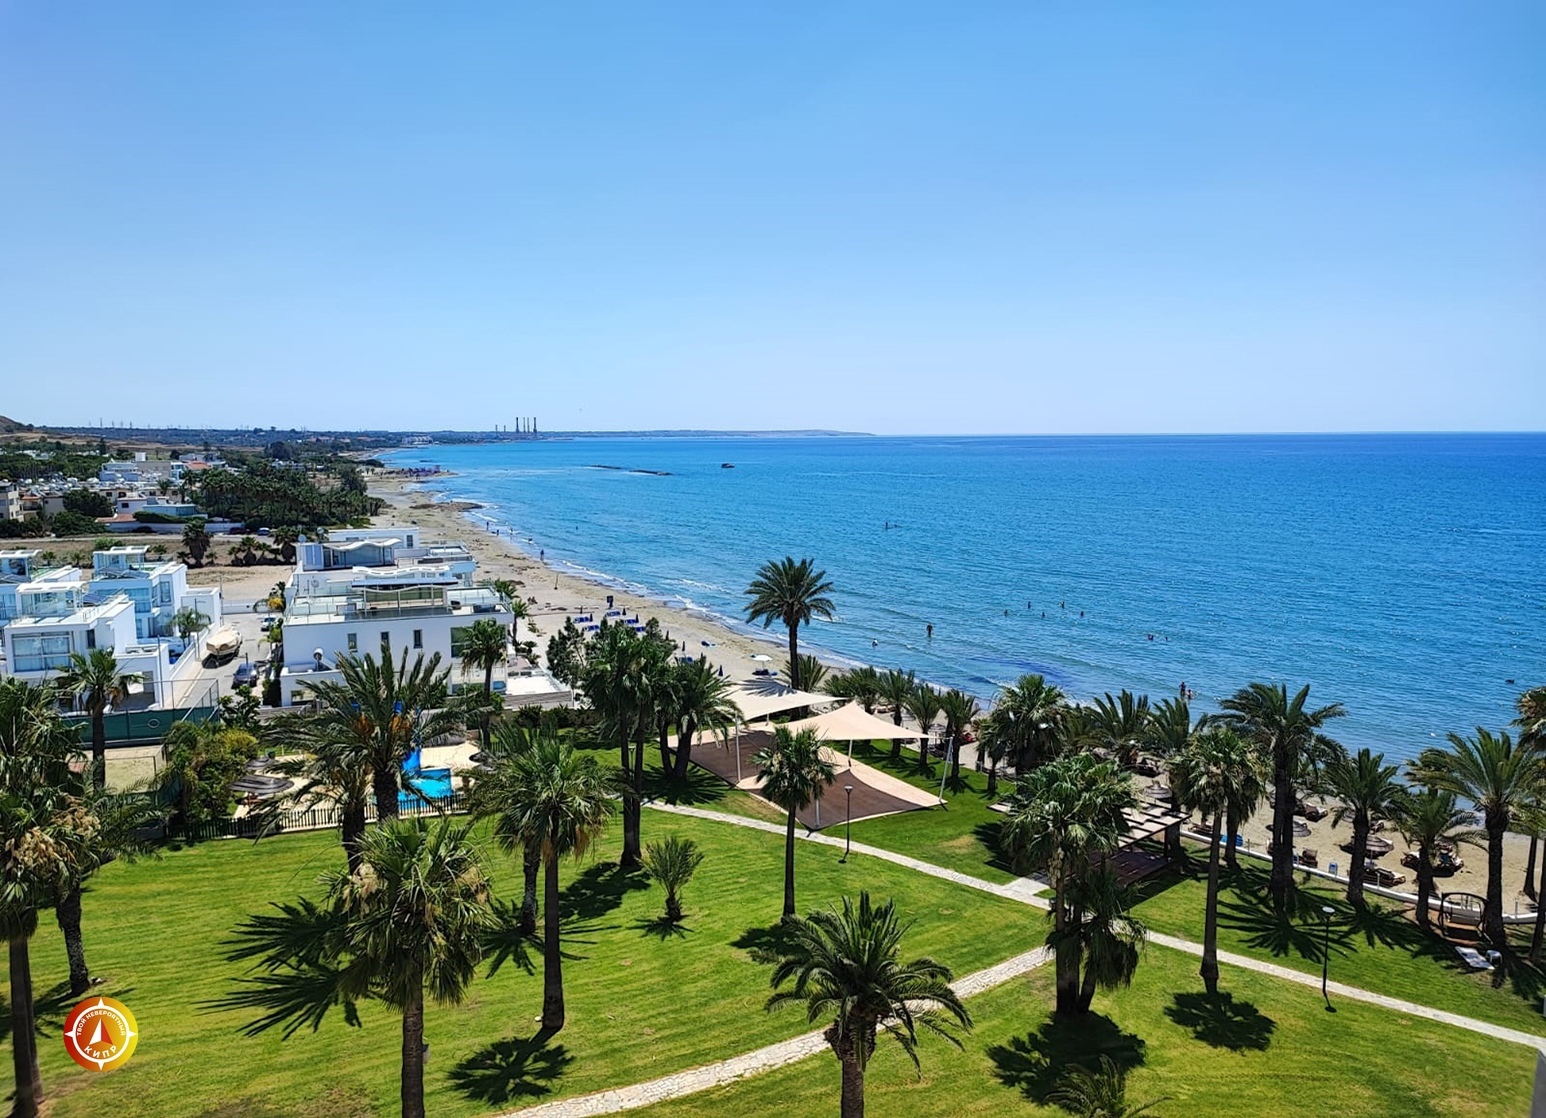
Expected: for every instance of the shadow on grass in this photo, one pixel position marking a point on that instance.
(513, 1068)
(698, 788)
(767, 944)
(663, 928)
(599, 890)
(1220, 1021)
(1037, 1062)
(504, 942)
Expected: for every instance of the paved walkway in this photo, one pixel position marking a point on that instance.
(1023, 890)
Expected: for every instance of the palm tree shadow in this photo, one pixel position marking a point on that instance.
(767, 944)
(598, 890)
(53, 1005)
(1222, 1022)
(512, 1068)
(698, 788)
(505, 943)
(1037, 1062)
(663, 928)
(990, 834)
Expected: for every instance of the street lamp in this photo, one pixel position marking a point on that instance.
(848, 823)
(1326, 912)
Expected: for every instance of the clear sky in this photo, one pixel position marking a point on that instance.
(894, 217)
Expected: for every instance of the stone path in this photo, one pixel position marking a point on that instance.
(1023, 890)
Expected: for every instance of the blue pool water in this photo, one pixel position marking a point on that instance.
(434, 783)
(1403, 575)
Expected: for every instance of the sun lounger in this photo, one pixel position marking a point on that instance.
(1472, 958)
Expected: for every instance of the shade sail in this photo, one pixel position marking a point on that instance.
(850, 722)
(759, 700)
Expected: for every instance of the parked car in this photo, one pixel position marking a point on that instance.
(246, 675)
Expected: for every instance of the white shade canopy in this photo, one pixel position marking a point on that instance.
(850, 722)
(757, 700)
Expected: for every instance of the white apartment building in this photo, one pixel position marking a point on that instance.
(10, 501)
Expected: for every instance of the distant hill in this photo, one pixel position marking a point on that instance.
(10, 426)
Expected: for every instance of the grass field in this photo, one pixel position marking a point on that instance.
(642, 1002)
(1381, 950)
(1268, 1049)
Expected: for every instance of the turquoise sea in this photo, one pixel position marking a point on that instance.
(1403, 575)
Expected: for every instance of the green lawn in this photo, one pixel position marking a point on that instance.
(641, 1003)
(1268, 1049)
(961, 836)
(1382, 950)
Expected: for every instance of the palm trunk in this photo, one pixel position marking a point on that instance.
(98, 748)
(794, 654)
(1067, 960)
(384, 784)
(1355, 870)
(633, 804)
(531, 866)
(1231, 833)
(992, 776)
(684, 736)
(24, 1037)
(552, 957)
(68, 913)
(1087, 990)
(1210, 924)
(789, 867)
(1539, 931)
(1495, 930)
(1282, 879)
(1424, 886)
(853, 1086)
(413, 1055)
(673, 906)
(896, 720)
(665, 747)
(353, 831)
(955, 759)
(1535, 842)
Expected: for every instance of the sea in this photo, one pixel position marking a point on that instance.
(1403, 576)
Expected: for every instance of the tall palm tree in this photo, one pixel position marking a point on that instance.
(1032, 710)
(1064, 814)
(94, 679)
(339, 771)
(509, 593)
(924, 705)
(1220, 774)
(862, 685)
(812, 673)
(794, 774)
(38, 839)
(896, 687)
(196, 541)
(485, 647)
(385, 710)
(1120, 725)
(1500, 777)
(960, 711)
(1170, 727)
(189, 622)
(557, 801)
(845, 966)
(1368, 791)
(1427, 818)
(411, 922)
(1111, 938)
(496, 789)
(1531, 721)
(791, 591)
(703, 702)
(1290, 737)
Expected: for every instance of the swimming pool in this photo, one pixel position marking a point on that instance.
(434, 783)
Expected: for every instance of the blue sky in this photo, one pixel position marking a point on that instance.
(1019, 217)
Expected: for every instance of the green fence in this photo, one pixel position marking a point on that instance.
(142, 727)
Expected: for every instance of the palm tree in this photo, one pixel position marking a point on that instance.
(337, 770)
(37, 842)
(845, 965)
(196, 541)
(672, 863)
(1290, 737)
(896, 687)
(189, 622)
(794, 773)
(811, 674)
(1064, 814)
(1368, 791)
(1098, 1093)
(1120, 725)
(93, 677)
(509, 593)
(1170, 727)
(484, 646)
(556, 801)
(246, 552)
(1110, 938)
(1426, 819)
(924, 704)
(862, 685)
(384, 710)
(960, 710)
(1532, 731)
(1032, 711)
(1500, 777)
(410, 922)
(286, 536)
(1220, 774)
(702, 701)
(495, 790)
(791, 591)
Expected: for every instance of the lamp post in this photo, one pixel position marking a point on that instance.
(848, 823)
(1326, 914)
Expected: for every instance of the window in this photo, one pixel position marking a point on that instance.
(418, 638)
(354, 642)
(91, 639)
(386, 643)
(459, 640)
